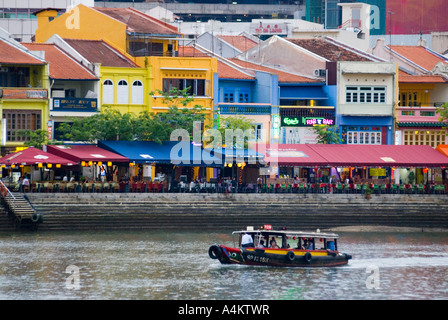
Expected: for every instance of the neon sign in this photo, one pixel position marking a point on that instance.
(305, 121)
(276, 126)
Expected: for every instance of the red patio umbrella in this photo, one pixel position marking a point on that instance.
(32, 156)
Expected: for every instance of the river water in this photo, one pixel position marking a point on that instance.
(139, 265)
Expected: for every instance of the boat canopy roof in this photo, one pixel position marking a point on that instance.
(289, 233)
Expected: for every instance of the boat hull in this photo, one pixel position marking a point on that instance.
(278, 257)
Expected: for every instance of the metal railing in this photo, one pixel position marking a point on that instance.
(4, 190)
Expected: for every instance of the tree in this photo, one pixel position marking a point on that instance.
(241, 128)
(327, 134)
(178, 116)
(443, 113)
(111, 124)
(36, 138)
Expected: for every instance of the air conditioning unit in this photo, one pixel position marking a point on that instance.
(320, 72)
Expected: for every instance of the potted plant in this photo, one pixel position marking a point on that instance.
(368, 192)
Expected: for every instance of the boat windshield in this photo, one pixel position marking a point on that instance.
(285, 240)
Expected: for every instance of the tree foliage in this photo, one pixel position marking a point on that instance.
(241, 129)
(327, 134)
(111, 124)
(443, 113)
(37, 138)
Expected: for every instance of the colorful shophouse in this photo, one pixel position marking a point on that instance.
(360, 87)
(144, 40)
(24, 86)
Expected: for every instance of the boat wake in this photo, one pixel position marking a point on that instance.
(399, 262)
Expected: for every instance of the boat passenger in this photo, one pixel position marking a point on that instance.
(274, 244)
(247, 241)
(261, 244)
(308, 245)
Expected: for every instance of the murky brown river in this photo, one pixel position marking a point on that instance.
(175, 265)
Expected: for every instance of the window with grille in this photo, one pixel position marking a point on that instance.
(19, 120)
(196, 86)
(424, 137)
(365, 94)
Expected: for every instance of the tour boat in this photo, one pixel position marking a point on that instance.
(294, 249)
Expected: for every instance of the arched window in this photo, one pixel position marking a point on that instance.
(108, 92)
(122, 92)
(137, 92)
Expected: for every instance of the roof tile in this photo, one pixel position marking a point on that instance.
(419, 55)
(242, 43)
(283, 76)
(62, 66)
(139, 22)
(98, 51)
(327, 50)
(12, 55)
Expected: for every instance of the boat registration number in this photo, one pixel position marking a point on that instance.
(258, 258)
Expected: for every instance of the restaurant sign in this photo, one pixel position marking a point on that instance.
(268, 28)
(75, 104)
(305, 121)
(24, 93)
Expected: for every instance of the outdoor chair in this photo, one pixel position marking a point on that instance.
(115, 187)
(394, 188)
(421, 188)
(439, 189)
(339, 188)
(34, 187)
(264, 188)
(294, 188)
(105, 187)
(70, 187)
(25, 188)
(283, 187)
(48, 187)
(137, 187)
(60, 187)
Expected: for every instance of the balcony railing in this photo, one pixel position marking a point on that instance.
(418, 114)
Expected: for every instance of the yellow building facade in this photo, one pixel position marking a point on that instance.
(24, 97)
(150, 43)
(125, 89)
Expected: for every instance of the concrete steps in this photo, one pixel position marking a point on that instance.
(87, 211)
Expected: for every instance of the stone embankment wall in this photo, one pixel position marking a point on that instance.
(176, 211)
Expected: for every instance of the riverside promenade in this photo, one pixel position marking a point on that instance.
(227, 212)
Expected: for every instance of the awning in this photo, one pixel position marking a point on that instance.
(291, 155)
(443, 149)
(32, 156)
(230, 155)
(78, 153)
(343, 155)
(180, 153)
(381, 155)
